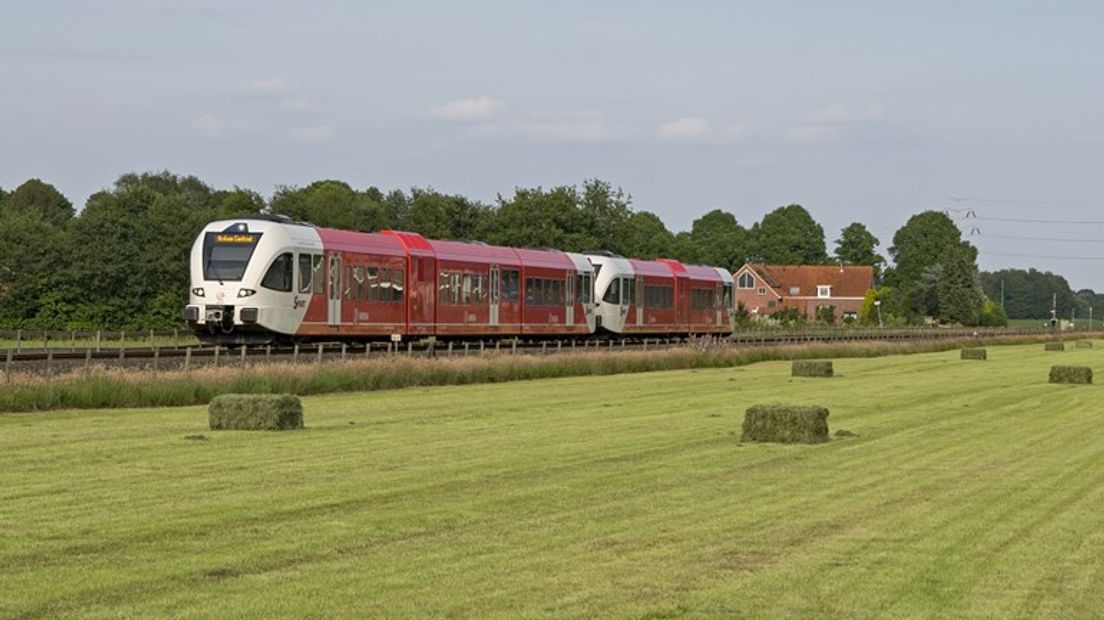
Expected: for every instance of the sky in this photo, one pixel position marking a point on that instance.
(866, 111)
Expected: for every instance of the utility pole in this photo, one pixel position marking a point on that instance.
(1054, 311)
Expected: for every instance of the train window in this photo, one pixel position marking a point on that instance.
(318, 282)
(702, 299)
(556, 296)
(530, 291)
(278, 276)
(348, 283)
(746, 281)
(510, 281)
(443, 288)
(630, 295)
(305, 273)
(358, 284)
(373, 284)
(466, 289)
(398, 284)
(225, 256)
(385, 285)
(613, 292)
(728, 297)
(658, 297)
(582, 288)
(479, 288)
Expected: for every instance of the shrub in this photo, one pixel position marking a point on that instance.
(1070, 374)
(974, 354)
(250, 412)
(811, 368)
(1054, 346)
(1084, 344)
(786, 424)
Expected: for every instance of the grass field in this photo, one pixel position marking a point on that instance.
(974, 489)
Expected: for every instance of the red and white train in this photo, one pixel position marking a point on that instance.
(260, 280)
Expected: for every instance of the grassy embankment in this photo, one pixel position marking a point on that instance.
(973, 490)
(98, 388)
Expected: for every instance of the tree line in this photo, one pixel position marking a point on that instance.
(122, 261)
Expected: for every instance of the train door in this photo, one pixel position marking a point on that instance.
(335, 289)
(569, 299)
(493, 320)
(626, 284)
(639, 300)
(683, 303)
(718, 303)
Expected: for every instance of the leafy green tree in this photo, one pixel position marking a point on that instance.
(536, 218)
(328, 203)
(643, 235)
(887, 309)
(992, 315)
(857, 246)
(1029, 293)
(39, 200)
(441, 216)
(685, 249)
(922, 243)
(604, 211)
(789, 236)
(960, 297)
(719, 240)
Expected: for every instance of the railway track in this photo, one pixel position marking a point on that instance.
(56, 360)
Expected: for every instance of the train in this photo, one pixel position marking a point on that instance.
(268, 279)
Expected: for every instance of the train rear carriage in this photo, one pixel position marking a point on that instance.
(551, 297)
(708, 311)
(478, 290)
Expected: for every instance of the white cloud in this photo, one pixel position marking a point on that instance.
(312, 133)
(470, 110)
(566, 130)
(842, 113)
(296, 105)
(266, 87)
(211, 126)
(808, 133)
(735, 131)
(685, 128)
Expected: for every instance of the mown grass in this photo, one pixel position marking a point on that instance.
(102, 387)
(972, 490)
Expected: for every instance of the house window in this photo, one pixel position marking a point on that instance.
(795, 291)
(762, 290)
(747, 281)
(824, 291)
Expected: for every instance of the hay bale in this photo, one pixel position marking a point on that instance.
(973, 354)
(786, 423)
(254, 412)
(811, 368)
(1054, 346)
(1071, 374)
(1084, 344)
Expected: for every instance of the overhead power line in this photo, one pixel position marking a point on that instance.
(1051, 256)
(979, 235)
(1015, 201)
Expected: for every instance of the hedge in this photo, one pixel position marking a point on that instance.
(249, 412)
(811, 368)
(786, 423)
(1071, 374)
(1054, 346)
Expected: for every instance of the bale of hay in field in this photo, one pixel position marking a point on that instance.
(786, 423)
(1084, 344)
(255, 412)
(811, 368)
(1054, 346)
(973, 354)
(1071, 374)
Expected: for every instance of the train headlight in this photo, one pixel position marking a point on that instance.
(246, 292)
(198, 292)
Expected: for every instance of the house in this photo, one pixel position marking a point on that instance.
(766, 289)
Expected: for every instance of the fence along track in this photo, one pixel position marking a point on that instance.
(53, 360)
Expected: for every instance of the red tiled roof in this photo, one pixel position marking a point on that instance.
(846, 280)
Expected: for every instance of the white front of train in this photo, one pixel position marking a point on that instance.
(245, 280)
(611, 291)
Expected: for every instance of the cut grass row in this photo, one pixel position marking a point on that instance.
(973, 490)
(99, 388)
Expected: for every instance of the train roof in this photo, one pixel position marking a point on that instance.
(349, 241)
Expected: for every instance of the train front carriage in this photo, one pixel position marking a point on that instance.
(252, 280)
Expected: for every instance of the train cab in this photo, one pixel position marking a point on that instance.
(247, 276)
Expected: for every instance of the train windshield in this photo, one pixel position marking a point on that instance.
(226, 255)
